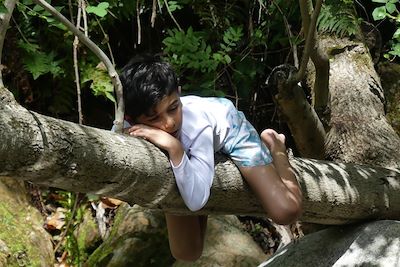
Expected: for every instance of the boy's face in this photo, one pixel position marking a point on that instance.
(166, 115)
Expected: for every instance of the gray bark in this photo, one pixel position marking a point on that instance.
(62, 154)
(360, 132)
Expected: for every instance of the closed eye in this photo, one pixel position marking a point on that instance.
(153, 119)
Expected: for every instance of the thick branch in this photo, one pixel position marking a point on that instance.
(62, 154)
(305, 126)
(119, 116)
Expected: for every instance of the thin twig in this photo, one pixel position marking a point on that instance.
(76, 67)
(159, 6)
(289, 32)
(64, 233)
(71, 15)
(84, 15)
(172, 16)
(19, 30)
(153, 13)
(139, 27)
(119, 114)
(4, 22)
(310, 41)
(108, 41)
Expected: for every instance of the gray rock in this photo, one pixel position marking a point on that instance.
(227, 244)
(368, 244)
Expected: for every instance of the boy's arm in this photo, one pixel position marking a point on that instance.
(193, 175)
(161, 139)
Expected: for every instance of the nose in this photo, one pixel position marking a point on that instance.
(169, 123)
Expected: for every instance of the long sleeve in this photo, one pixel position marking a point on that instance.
(195, 173)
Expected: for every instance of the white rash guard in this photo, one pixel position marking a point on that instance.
(204, 129)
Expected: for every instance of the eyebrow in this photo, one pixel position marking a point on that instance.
(152, 114)
(174, 102)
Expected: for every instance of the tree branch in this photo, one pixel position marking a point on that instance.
(310, 25)
(119, 116)
(66, 155)
(319, 58)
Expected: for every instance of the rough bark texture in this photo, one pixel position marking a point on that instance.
(62, 154)
(305, 126)
(359, 130)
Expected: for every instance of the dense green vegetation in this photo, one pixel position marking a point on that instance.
(217, 47)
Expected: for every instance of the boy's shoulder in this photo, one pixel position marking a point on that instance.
(206, 102)
(202, 112)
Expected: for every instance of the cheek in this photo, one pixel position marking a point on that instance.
(157, 125)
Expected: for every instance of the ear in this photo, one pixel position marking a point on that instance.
(179, 89)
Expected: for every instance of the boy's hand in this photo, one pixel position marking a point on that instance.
(160, 139)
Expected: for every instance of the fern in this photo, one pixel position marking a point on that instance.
(38, 62)
(338, 17)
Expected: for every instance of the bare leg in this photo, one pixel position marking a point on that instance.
(275, 184)
(186, 236)
(276, 144)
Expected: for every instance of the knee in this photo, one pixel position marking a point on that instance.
(287, 215)
(188, 255)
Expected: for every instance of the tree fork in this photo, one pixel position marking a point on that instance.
(66, 155)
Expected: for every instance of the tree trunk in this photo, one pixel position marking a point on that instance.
(360, 132)
(62, 154)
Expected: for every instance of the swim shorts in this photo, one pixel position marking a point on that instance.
(243, 144)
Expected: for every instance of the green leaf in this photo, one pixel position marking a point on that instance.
(173, 5)
(227, 59)
(379, 13)
(101, 84)
(40, 63)
(396, 35)
(99, 10)
(3, 9)
(390, 7)
(380, 1)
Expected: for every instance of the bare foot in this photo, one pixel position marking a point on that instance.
(274, 141)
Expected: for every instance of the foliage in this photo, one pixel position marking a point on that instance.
(221, 55)
(67, 218)
(98, 79)
(387, 10)
(218, 52)
(338, 17)
(38, 63)
(100, 10)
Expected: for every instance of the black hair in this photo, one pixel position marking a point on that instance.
(146, 80)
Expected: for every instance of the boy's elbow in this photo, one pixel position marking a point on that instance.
(197, 203)
(195, 206)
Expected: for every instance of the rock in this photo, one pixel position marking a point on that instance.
(23, 241)
(227, 244)
(369, 244)
(87, 235)
(138, 238)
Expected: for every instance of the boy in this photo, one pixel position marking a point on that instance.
(191, 129)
